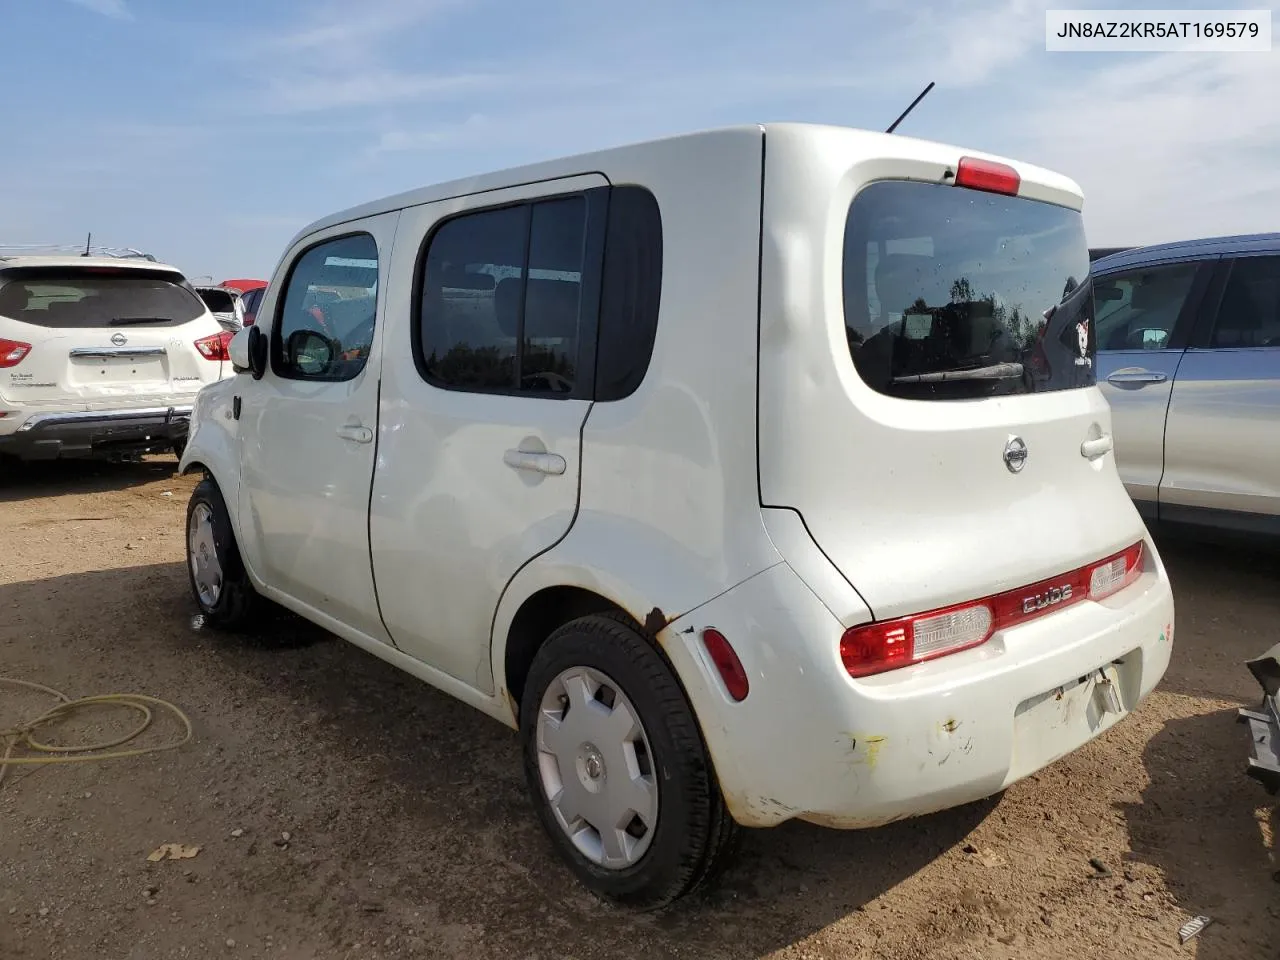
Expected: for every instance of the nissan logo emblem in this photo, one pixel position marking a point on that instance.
(1015, 454)
(119, 339)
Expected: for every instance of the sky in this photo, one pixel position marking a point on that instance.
(208, 134)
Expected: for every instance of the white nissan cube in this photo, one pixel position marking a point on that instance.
(750, 475)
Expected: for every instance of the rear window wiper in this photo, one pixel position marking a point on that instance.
(125, 321)
(996, 371)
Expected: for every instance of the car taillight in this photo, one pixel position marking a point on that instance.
(12, 352)
(1116, 573)
(987, 175)
(886, 645)
(215, 346)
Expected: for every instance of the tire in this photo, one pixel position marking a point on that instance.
(178, 446)
(235, 603)
(693, 833)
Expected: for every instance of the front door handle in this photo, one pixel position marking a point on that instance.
(1093, 449)
(1137, 375)
(548, 463)
(356, 433)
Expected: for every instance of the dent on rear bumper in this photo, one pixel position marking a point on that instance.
(811, 743)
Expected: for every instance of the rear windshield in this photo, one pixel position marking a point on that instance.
(60, 298)
(952, 293)
(218, 301)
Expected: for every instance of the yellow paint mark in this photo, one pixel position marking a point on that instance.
(873, 749)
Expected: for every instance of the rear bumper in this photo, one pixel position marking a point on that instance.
(1264, 722)
(811, 743)
(94, 433)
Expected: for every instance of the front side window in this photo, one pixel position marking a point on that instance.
(1139, 310)
(1249, 315)
(500, 308)
(952, 294)
(324, 327)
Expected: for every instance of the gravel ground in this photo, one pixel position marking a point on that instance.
(409, 834)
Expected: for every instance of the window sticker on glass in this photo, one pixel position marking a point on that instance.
(916, 326)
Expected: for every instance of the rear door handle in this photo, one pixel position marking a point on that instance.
(356, 433)
(1137, 376)
(549, 463)
(1093, 449)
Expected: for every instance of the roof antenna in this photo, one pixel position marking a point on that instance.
(89, 239)
(894, 126)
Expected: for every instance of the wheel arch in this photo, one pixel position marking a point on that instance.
(653, 582)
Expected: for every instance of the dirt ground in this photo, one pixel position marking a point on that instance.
(409, 831)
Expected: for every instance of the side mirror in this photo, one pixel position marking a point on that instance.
(310, 351)
(238, 349)
(256, 356)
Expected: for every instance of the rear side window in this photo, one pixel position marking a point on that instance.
(503, 300)
(324, 328)
(1139, 310)
(1249, 315)
(952, 294)
(631, 292)
(99, 297)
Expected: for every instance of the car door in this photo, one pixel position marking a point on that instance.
(308, 426)
(1143, 315)
(484, 397)
(1222, 452)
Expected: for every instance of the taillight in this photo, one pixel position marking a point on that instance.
(987, 175)
(886, 645)
(12, 352)
(1116, 573)
(727, 663)
(216, 346)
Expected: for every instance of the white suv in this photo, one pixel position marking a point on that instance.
(101, 356)
(751, 475)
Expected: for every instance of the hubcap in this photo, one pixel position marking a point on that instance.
(596, 768)
(206, 571)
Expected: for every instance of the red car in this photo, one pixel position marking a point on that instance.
(251, 293)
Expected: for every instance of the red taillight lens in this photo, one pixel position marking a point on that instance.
(727, 663)
(987, 175)
(877, 647)
(1115, 573)
(216, 346)
(12, 352)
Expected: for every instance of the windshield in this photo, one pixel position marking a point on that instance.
(97, 297)
(951, 293)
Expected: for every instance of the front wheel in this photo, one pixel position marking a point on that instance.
(617, 768)
(219, 580)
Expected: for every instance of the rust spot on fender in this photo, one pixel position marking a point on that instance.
(951, 726)
(655, 622)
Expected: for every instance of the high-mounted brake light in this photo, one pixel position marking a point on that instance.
(727, 663)
(877, 647)
(987, 175)
(12, 352)
(216, 346)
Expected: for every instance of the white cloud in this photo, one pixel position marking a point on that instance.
(116, 9)
(1167, 147)
(334, 60)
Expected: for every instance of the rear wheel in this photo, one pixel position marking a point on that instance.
(219, 581)
(617, 768)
